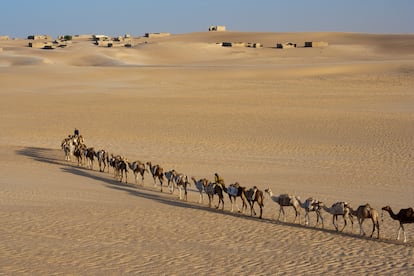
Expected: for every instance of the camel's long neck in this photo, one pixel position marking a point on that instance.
(353, 212)
(327, 209)
(301, 204)
(392, 215)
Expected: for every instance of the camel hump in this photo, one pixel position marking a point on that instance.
(410, 212)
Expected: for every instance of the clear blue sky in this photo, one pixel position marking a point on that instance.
(20, 18)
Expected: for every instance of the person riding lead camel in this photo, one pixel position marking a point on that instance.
(218, 179)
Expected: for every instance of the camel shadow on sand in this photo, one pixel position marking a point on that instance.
(52, 156)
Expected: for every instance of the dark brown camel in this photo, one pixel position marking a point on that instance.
(90, 156)
(255, 195)
(121, 168)
(404, 216)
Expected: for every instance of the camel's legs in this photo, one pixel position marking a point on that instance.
(373, 229)
(344, 224)
(319, 215)
(306, 218)
(335, 217)
(399, 231)
(281, 210)
(296, 215)
(398, 235)
(361, 229)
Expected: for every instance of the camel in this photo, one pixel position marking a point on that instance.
(285, 200)
(255, 195)
(234, 191)
(68, 147)
(138, 167)
(157, 172)
(103, 159)
(79, 153)
(339, 209)
(215, 189)
(182, 182)
(90, 157)
(200, 185)
(404, 216)
(170, 179)
(121, 167)
(312, 205)
(112, 162)
(363, 212)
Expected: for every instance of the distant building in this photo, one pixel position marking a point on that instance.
(316, 44)
(152, 35)
(217, 29)
(254, 45)
(41, 44)
(100, 37)
(286, 45)
(83, 37)
(39, 37)
(4, 37)
(234, 44)
(241, 44)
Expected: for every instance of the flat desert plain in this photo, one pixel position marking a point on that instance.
(333, 123)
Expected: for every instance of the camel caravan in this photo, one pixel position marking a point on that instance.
(75, 150)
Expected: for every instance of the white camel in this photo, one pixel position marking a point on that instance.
(170, 179)
(103, 159)
(312, 205)
(200, 185)
(340, 208)
(182, 182)
(286, 200)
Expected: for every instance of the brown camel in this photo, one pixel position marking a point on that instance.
(138, 167)
(234, 191)
(404, 216)
(255, 195)
(157, 172)
(363, 212)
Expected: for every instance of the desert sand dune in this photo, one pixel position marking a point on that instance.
(335, 123)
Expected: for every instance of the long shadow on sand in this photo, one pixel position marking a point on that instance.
(55, 157)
